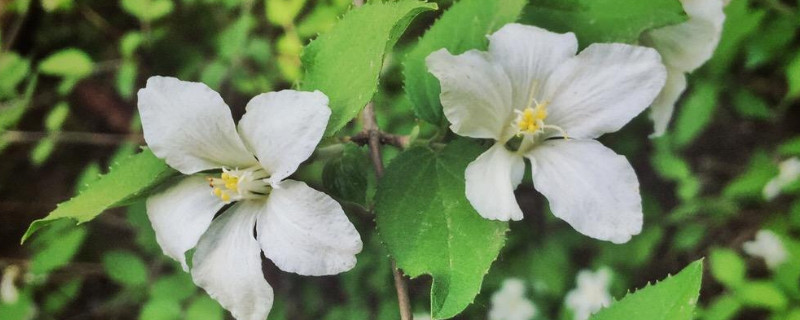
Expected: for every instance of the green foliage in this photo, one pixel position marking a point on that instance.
(125, 181)
(463, 27)
(204, 308)
(125, 268)
(68, 63)
(346, 177)
(604, 20)
(56, 247)
(161, 310)
(13, 70)
(177, 286)
(741, 21)
(283, 12)
(696, 113)
(727, 267)
(147, 10)
(345, 62)
(761, 294)
(749, 185)
(793, 77)
(674, 298)
(430, 228)
(751, 106)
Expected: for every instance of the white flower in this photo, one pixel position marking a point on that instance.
(532, 85)
(590, 295)
(684, 47)
(767, 246)
(510, 303)
(788, 173)
(9, 294)
(300, 229)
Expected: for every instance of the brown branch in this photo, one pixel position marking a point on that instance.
(398, 141)
(374, 135)
(91, 138)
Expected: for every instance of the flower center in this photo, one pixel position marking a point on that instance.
(530, 121)
(236, 184)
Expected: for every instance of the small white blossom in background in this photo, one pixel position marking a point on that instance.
(300, 229)
(788, 173)
(684, 48)
(510, 303)
(590, 295)
(9, 294)
(533, 87)
(421, 316)
(767, 246)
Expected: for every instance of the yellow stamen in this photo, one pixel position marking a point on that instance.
(225, 197)
(532, 119)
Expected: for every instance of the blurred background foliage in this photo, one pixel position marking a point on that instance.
(69, 71)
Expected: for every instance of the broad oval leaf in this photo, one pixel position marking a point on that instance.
(462, 27)
(429, 227)
(68, 63)
(345, 63)
(674, 298)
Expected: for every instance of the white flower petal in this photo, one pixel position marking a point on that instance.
(181, 214)
(664, 106)
(476, 93)
(603, 88)
(528, 55)
(227, 263)
(283, 128)
(689, 45)
(306, 232)
(490, 183)
(189, 126)
(590, 187)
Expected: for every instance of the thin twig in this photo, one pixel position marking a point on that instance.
(91, 138)
(373, 135)
(398, 141)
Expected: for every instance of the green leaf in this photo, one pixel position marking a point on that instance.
(724, 308)
(177, 286)
(790, 147)
(793, 77)
(204, 308)
(345, 63)
(346, 177)
(13, 69)
(56, 247)
(604, 20)
(751, 106)
(125, 181)
(429, 227)
(125, 268)
(696, 113)
(68, 63)
(749, 185)
(42, 151)
(130, 42)
(126, 78)
(147, 10)
(161, 310)
(56, 117)
(727, 267)
(762, 294)
(462, 27)
(283, 12)
(674, 298)
(741, 21)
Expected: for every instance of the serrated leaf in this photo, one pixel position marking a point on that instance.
(462, 27)
(604, 20)
(345, 63)
(674, 298)
(68, 63)
(429, 227)
(125, 268)
(124, 182)
(727, 267)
